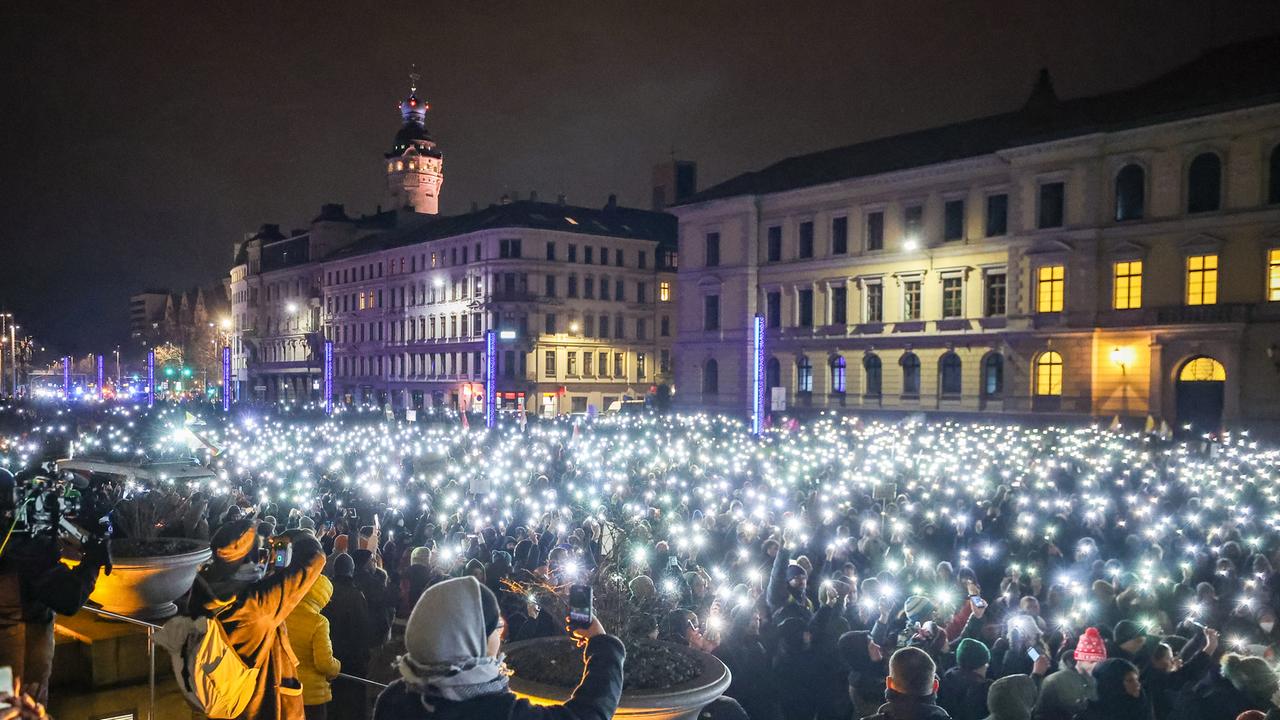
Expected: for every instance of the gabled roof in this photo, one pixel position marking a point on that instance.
(610, 221)
(1230, 77)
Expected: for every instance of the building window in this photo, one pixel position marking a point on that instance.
(550, 323)
(589, 287)
(617, 257)
(641, 371)
(506, 249)
(1049, 287)
(910, 375)
(871, 368)
(997, 215)
(588, 364)
(619, 366)
(875, 303)
(804, 308)
(774, 242)
(588, 254)
(838, 375)
(571, 364)
(839, 236)
(949, 375)
(1128, 285)
(642, 259)
(912, 222)
(664, 326)
(839, 305)
(993, 375)
(996, 294)
(911, 299)
(604, 327)
(952, 297)
(711, 312)
(551, 251)
(1052, 197)
(1273, 192)
(549, 363)
(773, 309)
(806, 239)
(1049, 374)
(713, 250)
(1202, 280)
(602, 363)
(1204, 183)
(1130, 191)
(551, 286)
(664, 361)
(664, 291)
(573, 253)
(710, 378)
(804, 375)
(773, 373)
(642, 329)
(875, 230)
(573, 287)
(953, 220)
(1273, 274)
(642, 293)
(618, 331)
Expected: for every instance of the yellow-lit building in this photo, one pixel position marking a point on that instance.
(1099, 256)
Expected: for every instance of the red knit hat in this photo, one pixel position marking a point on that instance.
(1091, 648)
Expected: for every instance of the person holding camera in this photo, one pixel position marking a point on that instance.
(35, 584)
(452, 666)
(252, 591)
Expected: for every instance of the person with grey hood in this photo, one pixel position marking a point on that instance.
(452, 667)
(1012, 697)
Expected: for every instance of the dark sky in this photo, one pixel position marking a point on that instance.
(138, 141)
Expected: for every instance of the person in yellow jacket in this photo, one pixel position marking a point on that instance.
(309, 638)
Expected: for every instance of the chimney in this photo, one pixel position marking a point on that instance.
(673, 181)
(533, 196)
(475, 206)
(612, 203)
(506, 199)
(560, 200)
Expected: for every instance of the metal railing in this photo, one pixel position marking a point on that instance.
(151, 656)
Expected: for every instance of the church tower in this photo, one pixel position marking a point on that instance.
(414, 165)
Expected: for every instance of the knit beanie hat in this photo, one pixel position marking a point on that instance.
(307, 523)
(343, 565)
(917, 608)
(234, 541)
(1091, 648)
(972, 654)
(1125, 631)
(795, 571)
(1250, 675)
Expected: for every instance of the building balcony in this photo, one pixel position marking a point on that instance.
(1178, 315)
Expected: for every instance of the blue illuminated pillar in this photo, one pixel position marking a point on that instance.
(100, 383)
(328, 377)
(757, 374)
(490, 378)
(226, 378)
(66, 376)
(151, 378)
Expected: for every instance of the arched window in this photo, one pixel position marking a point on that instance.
(910, 374)
(837, 374)
(773, 373)
(804, 374)
(1049, 374)
(1204, 183)
(710, 378)
(993, 375)
(949, 374)
(1203, 369)
(1130, 192)
(1273, 193)
(871, 366)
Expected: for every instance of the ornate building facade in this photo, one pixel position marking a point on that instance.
(1109, 255)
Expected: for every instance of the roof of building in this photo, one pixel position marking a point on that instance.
(1229, 77)
(612, 221)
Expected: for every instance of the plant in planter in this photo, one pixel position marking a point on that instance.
(151, 568)
(660, 679)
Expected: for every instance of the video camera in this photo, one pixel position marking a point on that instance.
(45, 502)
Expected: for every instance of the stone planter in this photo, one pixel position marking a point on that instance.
(680, 702)
(145, 586)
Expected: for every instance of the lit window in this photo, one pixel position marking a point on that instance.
(391, 167)
(1202, 280)
(1273, 274)
(1128, 285)
(1203, 369)
(1049, 284)
(911, 300)
(399, 164)
(1049, 374)
(838, 376)
(411, 165)
(664, 291)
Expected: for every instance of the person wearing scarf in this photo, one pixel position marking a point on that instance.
(452, 667)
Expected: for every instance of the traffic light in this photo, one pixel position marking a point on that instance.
(168, 371)
(186, 372)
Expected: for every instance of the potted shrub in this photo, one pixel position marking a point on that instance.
(661, 680)
(151, 568)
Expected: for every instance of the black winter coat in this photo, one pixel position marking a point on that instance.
(752, 683)
(348, 615)
(1215, 698)
(904, 707)
(963, 694)
(595, 698)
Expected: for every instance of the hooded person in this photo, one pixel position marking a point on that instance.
(452, 666)
(349, 623)
(1012, 697)
(867, 670)
(1120, 693)
(752, 682)
(963, 689)
(1236, 684)
(253, 608)
(309, 639)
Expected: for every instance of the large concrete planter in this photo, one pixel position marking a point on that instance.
(146, 586)
(680, 702)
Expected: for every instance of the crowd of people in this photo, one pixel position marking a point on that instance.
(840, 569)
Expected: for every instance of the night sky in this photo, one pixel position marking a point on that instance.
(139, 141)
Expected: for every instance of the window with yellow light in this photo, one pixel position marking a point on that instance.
(1127, 285)
(1049, 374)
(1273, 274)
(1202, 280)
(1050, 280)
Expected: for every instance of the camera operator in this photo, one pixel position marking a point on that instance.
(34, 585)
(252, 595)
